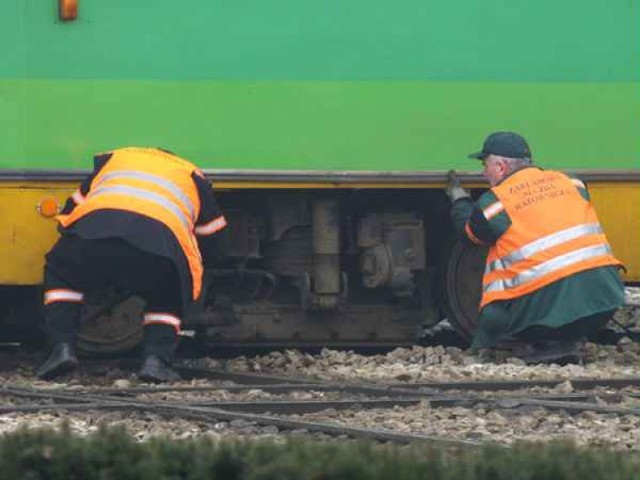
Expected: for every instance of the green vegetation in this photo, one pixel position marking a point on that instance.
(113, 454)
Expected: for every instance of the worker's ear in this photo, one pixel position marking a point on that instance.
(504, 168)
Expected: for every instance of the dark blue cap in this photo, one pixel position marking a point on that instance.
(505, 144)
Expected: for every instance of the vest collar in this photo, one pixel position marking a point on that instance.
(525, 167)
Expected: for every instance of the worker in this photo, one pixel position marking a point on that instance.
(138, 223)
(550, 277)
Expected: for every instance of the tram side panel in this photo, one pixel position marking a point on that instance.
(309, 267)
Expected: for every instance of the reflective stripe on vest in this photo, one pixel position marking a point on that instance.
(493, 210)
(544, 243)
(63, 295)
(162, 319)
(157, 180)
(212, 227)
(144, 195)
(578, 183)
(548, 267)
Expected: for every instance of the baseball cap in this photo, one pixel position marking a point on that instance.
(505, 144)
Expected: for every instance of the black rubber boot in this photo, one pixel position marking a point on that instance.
(157, 371)
(554, 351)
(61, 360)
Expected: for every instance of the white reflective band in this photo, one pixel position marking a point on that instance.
(165, 318)
(544, 243)
(145, 195)
(212, 227)
(549, 266)
(578, 183)
(63, 295)
(157, 180)
(492, 210)
(77, 197)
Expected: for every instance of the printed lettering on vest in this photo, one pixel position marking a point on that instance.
(537, 190)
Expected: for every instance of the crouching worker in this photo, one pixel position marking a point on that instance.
(137, 223)
(550, 276)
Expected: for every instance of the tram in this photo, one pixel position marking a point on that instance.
(326, 129)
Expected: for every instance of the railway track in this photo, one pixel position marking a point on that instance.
(286, 411)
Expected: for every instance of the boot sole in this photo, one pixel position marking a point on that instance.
(149, 378)
(558, 360)
(63, 368)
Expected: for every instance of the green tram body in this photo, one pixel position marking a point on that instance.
(303, 110)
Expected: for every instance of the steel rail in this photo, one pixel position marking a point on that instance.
(414, 396)
(577, 402)
(279, 407)
(312, 406)
(250, 411)
(383, 390)
(272, 382)
(207, 414)
(243, 377)
(549, 401)
(616, 397)
(42, 407)
(266, 379)
(8, 390)
(256, 379)
(443, 402)
(569, 406)
(557, 402)
(579, 384)
(254, 412)
(274, 388)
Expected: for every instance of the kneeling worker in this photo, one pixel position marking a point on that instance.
(550, 276)
(138, 223)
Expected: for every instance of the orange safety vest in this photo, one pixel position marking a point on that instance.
(554, 233)
(152, 183)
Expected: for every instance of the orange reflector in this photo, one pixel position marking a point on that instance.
(67, 10)
(48, 207)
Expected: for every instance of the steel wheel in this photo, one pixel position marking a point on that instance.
(112, 326)
(464, 287)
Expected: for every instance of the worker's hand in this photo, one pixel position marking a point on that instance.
(454, 190)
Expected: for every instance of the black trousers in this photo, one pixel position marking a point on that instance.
(577, 329)
(76, 266)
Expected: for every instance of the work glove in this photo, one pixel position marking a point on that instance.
(454, 190)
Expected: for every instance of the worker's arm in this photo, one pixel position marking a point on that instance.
(481, 222)
(210, 222)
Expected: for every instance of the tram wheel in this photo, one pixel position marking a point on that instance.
(464, 272)
(111, 326)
